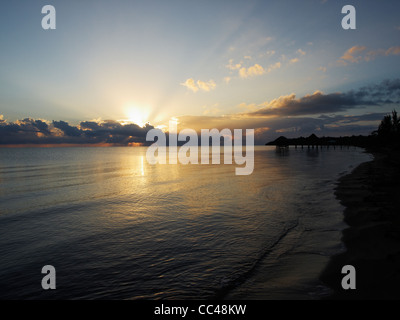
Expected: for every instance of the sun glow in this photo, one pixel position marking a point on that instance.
(136, 115)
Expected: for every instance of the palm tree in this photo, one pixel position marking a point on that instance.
(385, 128)
(395, 122)
(389, 129)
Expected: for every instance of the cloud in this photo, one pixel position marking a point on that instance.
(190, 84)
(357, 53)
(288, 114)
(206, 86)
(195, 86)
(252, 71)
(301, 52)
(276, 65)
(309, 104)
(386, 92)
(233, 66)
(68, 130)
(255, 70)
(350, 55)
(392, 51)
(312, 113)
(37, 132)
(268, 129)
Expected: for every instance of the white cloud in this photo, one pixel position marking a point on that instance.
(258, 70)
(196, 86)
(190, 84)
(232, 66)
(255, 70)
(276, 65)
(206, 86)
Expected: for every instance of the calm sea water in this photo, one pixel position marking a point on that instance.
(115, 227)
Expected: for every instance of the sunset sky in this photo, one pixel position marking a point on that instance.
(280, 67)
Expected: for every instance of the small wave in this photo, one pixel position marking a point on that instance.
(233, 281)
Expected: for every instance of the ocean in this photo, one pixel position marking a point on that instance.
(115, 227)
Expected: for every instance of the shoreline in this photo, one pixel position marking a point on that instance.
(371, 197)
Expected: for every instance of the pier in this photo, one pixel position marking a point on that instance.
(314, 142)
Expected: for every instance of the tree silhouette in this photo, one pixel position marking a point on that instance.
(387, 136)
(389, 128)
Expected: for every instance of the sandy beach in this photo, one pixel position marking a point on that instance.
(371, 197)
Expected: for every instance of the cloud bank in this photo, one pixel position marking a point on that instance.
(320, 113)
(41, 132)
(386, 92)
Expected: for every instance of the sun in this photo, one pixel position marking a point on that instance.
(136, 115)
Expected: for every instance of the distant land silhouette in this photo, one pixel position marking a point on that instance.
(386, 136)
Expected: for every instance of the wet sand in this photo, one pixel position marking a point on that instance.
(371, 197)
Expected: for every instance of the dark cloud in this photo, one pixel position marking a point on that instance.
(270, 128)
(91, 125)
(23, 130)
(386, 92)
(111, 131)
(30, 131)
(68, 130)
(351, 119)
(324, 125)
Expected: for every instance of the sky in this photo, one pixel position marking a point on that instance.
(282, 67)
